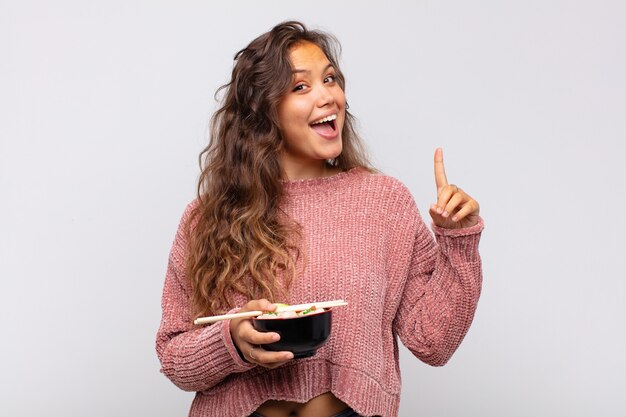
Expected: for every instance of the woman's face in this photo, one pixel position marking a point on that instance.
(311, 114)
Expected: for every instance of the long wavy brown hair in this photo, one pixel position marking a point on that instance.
(240, 241)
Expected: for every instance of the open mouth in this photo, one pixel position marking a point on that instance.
(326, 127)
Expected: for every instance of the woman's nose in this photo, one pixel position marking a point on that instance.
(325, 96)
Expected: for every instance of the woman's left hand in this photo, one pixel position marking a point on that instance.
(454, 209)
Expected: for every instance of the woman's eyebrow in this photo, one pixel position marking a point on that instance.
(297, 71)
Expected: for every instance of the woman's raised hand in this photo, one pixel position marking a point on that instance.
(248, 340)
(454, 209)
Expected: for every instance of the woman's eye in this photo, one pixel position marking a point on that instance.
(299, 87)
(330, 79)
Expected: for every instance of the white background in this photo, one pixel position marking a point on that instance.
(104, 107)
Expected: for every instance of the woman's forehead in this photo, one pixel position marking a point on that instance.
(307, 56)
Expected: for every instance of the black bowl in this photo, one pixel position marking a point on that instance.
(301, 335)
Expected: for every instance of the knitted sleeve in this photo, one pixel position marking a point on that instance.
(194, 359)
(441, 291)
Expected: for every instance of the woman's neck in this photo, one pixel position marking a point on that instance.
(302, 172)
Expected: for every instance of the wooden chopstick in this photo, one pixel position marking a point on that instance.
(280, 309)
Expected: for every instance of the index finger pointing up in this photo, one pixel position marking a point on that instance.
(440, 172)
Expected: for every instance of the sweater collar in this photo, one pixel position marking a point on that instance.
(321, 183)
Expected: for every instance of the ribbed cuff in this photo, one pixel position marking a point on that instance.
(240, 364)
(460, 244)
(466, 231)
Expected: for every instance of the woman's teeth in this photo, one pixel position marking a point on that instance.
(325, 119)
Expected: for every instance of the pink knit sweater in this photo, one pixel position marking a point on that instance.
(365, 242)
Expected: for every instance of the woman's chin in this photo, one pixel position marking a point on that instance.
(334, 153)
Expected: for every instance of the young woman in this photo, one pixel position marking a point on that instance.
(288, 210)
